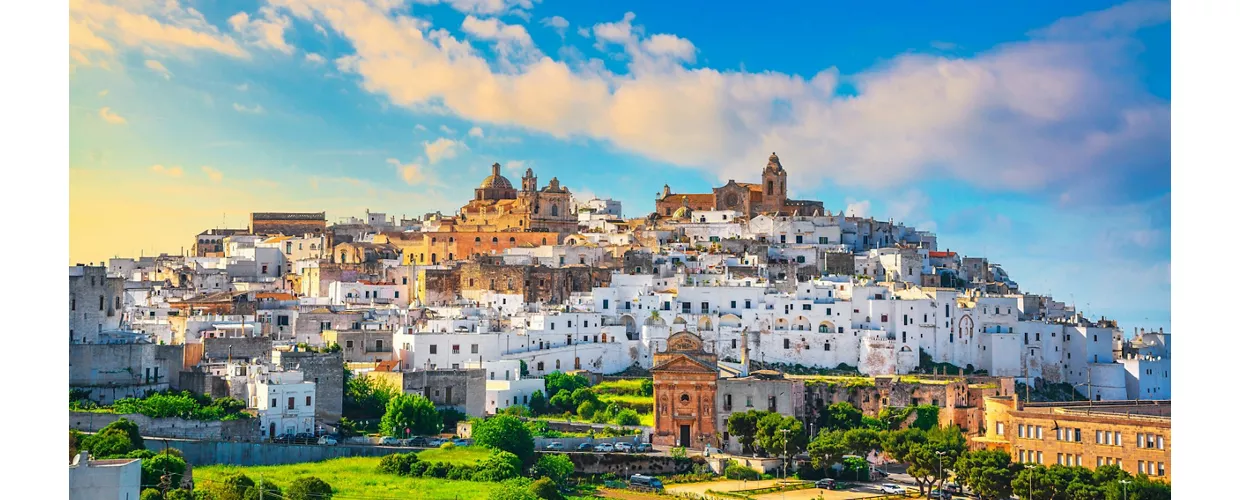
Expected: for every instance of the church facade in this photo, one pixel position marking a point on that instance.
(768, 197)
(685, 383)
(498, 206)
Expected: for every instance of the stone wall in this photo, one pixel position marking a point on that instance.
(463, 389)
(327, 372)
(626, 464)
(114, 371)
(232, 430)
(200, 382)
(838, 263)
(242, 348)
(200, 453)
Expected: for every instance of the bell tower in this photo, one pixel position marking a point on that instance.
(774, 184)
(529, 183)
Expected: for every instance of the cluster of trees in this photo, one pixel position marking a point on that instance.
(365, 397)
(410, 415)
(768, 433)
(184, 404)
(572, 395)
(499, 466)
(239, 486)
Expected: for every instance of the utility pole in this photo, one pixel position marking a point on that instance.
(260, 487)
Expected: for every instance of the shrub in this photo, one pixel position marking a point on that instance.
(450, 417)
(154, 468)
(678, 453)
(268, 490)
(513, 489)
(447, 446)
(627, 417)
(418, 469)
(413, 412)
(232, 487)
(308, 488)
(556, 467)
(538, 403)
(460, 472)
(546, 489)
(586, 409)
(107, 444)
(179, 494)
(500, 466)
(398, 463)
(151, 494)
(741, 472)
(437, 469)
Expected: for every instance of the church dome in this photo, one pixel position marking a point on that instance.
(495, 180)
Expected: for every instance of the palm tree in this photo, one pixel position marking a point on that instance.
(654, 315)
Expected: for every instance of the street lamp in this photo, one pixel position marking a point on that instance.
(785, 433)
(940, 455)
(1125, 483)
(1031, 467)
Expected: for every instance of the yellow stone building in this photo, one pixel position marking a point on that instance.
(498, 206)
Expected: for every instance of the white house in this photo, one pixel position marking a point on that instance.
(285, 403)
(114, 479)
(505, 385)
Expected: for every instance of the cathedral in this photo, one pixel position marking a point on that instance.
(497, 206)
(769, 197)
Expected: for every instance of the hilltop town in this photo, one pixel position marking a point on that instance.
(726, 302)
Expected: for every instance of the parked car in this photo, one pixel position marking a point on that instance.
(417, 441)
(624, 447)
(643, 448)
(282, 438)
(937, 494)
(327, 440)
(878, 472)
(892, 489)
(826, 484)
(952, 488)
(555, 446)
(645, 483)
(584, 447)
(460, 442)
(604, 447)
(389, 441)
(434, 443)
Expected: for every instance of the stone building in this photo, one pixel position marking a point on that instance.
(685, 383)
(462, 389)
(770, 196)
(552, 285)
(210, 243)
(498, 206)
(324, 370)
(361, 346)
(289, 224)
(459, 244)
(95, 303)
(116, 371)
(1134, 435)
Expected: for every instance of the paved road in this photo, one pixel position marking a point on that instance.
(729, 485)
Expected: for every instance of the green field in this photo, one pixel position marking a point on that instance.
(627, 386)
(355, 477)
(460, 455)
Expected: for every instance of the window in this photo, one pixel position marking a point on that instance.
(1160, 446)
(733, 304)
(1039, 429)
(805, 307)
(540, 366)
(473, 348)
(274, 403)
(348, 344)
(705, 307)
(1039, 457)
(378, 346)
(999, 428)
(456, 349)
(770, 402)
(290, 402)
(1161, 470)
(734, 343)
(748, 305)
(557, 364)
(1020, 430)
(787, 344)
(684, 307)
(100, 302)
(884, 318)
(727, 402)
(307, 400)
(605, 303)
(434, 349)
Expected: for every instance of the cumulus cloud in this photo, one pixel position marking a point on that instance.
(1059, 113)
(419, 127)
(490, 7)
(265, 30)
(173, 171)
(96, 28)
(213, 174)
(511, 41)
(475, 132)
(412, 173)
(858, 209)
(557, 23)
(447, 130)
(442, 149)
(255, 109)
(311, 57)
(110, 116)
(158, 67)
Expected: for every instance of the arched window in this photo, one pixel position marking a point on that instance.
(770, 187)
(434, 239)
(557, 364)
(494, 239)
(477, 239)
(555, 210)
(544, 241)
(826, 346)
(118, 303)
(823, 329)
(540, 366)
(512, 240)
(451, 239)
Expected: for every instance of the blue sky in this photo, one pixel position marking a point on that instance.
(1034, 133)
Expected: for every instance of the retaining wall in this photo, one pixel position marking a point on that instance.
(201, 453)
(231, 430)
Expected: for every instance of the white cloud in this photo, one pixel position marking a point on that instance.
(1027, 116)
(265, 30)
(111, 117)
(442, 149)
(158, 67)
(311, 57)
(419, 127)
(511, 41)
(412, 173)
(447, 130)
(243, 87)
(213, 174)
(320, 29)
(858, 209)
(557, 23)
(907, 206)
(96, 28)
(490, 7)
(475, 132)
(255, 109)
(173, 171)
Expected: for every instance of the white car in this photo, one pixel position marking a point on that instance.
(389, 441)
(892, 489)
(327, 440)
(606, 447)
(624, 447)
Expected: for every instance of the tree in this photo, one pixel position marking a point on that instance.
(585, 410)
(545, 489)
(513, 489)
(1041, 483)
(116, 439)
(154, 468)
(628, 416)
(232, 487)
(827, 449)
(265, 490)
(647, 387)
(557, 467)
(988, 473)
(538, 403)
(772, 439)
(558, 381)
(563, 401)
(180, 494)
(858, 466)
(507, 433)
(151, 494)
(745, 427)
(413, 412)
(366, 397)
(450, 417)
(861, 441)
(584, 394)
(308, 488)
(839, 416)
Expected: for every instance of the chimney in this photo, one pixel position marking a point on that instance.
(745, 352)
